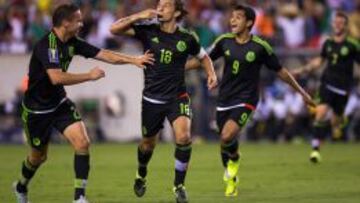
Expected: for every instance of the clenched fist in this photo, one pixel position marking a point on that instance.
(96, 73)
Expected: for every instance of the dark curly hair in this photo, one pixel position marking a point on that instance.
(180, 6)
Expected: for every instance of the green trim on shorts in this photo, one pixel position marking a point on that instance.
(24, 118)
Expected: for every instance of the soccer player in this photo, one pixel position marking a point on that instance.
(339, 52)
(45, 105)
(165, 95)
(244, 55)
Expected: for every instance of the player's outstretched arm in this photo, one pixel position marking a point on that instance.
(208, 65)
(309, 67)
(285, 76)
(119, 58)
(205, 62)
(58, 77)
(192, 63)
(123, 25)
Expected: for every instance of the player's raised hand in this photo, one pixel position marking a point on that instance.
(147, 14)
(96, 73)
(297, 71)
(308, 100)
(143, 60)
(212, 81)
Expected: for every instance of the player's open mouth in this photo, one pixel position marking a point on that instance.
(159, 16)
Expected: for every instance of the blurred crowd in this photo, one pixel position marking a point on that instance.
(296, 28)
(285, 23)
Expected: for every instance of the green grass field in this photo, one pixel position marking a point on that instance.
(269, 173)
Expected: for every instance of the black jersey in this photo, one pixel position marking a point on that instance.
(242, 68)
(165, 81)
(51, 53)
(340, 62)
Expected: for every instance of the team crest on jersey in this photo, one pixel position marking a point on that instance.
(156, 40)
(227, 53)
(344, 50)
(71, 51)
(53, 55)
(181, 46)
(250, 56)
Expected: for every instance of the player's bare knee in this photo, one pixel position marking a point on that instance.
(43, 158)
(226, 137)
(183, 138)
(37, 160)
(320, 113)
(148, 144)
(82, 146)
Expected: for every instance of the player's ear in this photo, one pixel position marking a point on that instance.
(177, 14)
(249, 23)
(65, 23)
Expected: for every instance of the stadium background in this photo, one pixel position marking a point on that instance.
(111, 107)
(269, 172)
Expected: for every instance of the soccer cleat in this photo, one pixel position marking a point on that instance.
(180, 194)
(315, 156)
(139, 186)
(232, 169)
(82, 199)
(21, 197)
(232, 187)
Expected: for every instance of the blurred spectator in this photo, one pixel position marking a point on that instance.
(104, 18)
(292, 24)
(317, 22)
(5, 31)
(23, 21)
(38, 27)
(345, 5)
(265, 25)
(15, 42)
(286, 24)
(354, 22)
(10, 116)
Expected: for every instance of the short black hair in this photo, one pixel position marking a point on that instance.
(63, 12)
(341, 14)
(249, 13)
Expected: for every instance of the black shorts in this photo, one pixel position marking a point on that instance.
(153, 115)
(240, 115)
(38, 127)
(336, 101)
